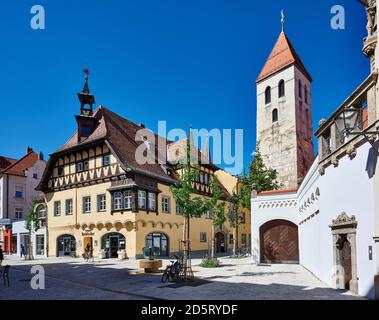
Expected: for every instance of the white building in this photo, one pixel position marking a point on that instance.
(332, 219)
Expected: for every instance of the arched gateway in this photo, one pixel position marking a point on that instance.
(279, 242)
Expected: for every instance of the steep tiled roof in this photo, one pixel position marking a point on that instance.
(18, 167)
(5, 162)
(282, 55)
(120, 133)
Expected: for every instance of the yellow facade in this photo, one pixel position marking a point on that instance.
(134, 226)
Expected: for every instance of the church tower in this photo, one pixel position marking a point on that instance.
(284, 114)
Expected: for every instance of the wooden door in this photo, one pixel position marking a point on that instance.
(279, 242)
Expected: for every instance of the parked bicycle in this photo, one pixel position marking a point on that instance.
(243, 252)
(172, 271)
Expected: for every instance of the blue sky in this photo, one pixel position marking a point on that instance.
(187, 62)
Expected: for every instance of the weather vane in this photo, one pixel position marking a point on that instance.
(283, 19)
(86, 71)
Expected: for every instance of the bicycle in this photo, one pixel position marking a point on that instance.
(243, 252)
(172, 272)
(87, 256)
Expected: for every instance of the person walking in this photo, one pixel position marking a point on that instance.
(1, 255)
(23, 253)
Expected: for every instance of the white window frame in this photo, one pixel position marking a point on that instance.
(141, 199)
(18, 213)
(57, 208)
(69, 207)
(117, 200)
(128, 197)
(165, 204)
(86, 204)
(152, 201)
(203, 237)
(101, 202)
(16, 189)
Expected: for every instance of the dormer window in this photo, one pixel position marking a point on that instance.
(86, 131)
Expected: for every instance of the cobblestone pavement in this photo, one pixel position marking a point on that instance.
(236, 279)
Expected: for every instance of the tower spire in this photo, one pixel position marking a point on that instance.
(283, 21)
(87, 100)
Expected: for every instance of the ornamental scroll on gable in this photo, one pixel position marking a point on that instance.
(344, 220)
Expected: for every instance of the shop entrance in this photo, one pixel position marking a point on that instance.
(66, 246)
(111, 243)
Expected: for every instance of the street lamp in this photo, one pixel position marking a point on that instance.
(350, 123)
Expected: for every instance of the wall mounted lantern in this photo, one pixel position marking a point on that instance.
(350, 123)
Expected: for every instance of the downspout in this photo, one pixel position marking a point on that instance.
(7, 196)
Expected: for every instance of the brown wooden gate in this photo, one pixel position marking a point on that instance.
(279, 242)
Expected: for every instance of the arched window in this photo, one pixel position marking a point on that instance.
(275, 116)
(305, 94)
(111, 243)
(160, 241)
(66, 245)
(300, 89)
(282, 90)
(268, 95)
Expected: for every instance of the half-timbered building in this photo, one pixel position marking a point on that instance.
(97, 193)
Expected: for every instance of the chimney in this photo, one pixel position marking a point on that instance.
(28, 150)
(40, 156)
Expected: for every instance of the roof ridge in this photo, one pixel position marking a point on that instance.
(18, 161)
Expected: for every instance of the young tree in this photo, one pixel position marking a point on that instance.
(234, 217)
(191, 206)
(32, 223)
(217, 210)
(264, 179)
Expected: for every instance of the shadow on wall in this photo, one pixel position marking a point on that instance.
(372, 160)
(255, 251)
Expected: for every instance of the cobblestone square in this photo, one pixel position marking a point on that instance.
(236, 279)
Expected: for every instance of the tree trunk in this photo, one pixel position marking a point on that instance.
(29, 249)
(186, 246)
(213, 241)
(237, 234)
(234, 241)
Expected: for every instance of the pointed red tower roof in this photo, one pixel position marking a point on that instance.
(282, 56)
